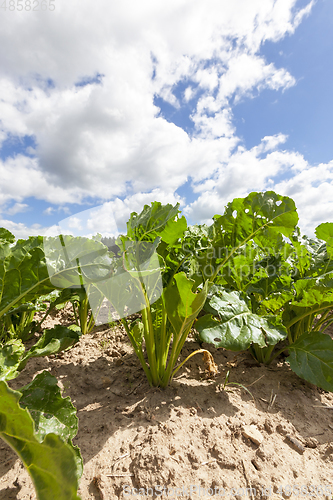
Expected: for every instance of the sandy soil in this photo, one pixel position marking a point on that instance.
(195, 439)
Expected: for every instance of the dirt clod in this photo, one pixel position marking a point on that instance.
(252, 433)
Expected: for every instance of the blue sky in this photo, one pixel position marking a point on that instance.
(175, 101)
(304, 112)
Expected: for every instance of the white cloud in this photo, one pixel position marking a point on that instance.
(312, 190)
(17, 208)
(109, 219)
(247, 72)
(306, 11)
(75, 223)
(32, 181)
(21, 230)
(207, 78)
(49, 211)
(311, 187)
(248, 170)
(53, 210)
(271, 142)
(107, 140)
(189, 94)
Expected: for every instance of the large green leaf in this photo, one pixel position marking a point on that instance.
(38, 265)
(52, 341)
(23, 274)
(182, 305)
(311, 297)
(6, 236)
(76, 261)
(260, 220)
(50, 411)
(51, 463)
(325, 232)
(137, 279)
(311, 358)
(233, 325)
(13, 357)
(263, 217)
(174, 230)
(276, 301)
(153, 219)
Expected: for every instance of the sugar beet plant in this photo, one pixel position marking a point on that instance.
(147, 279)
(274, 276)
(35, 420)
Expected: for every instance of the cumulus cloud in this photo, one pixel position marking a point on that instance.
(53, 210)
(109, 219)
(311, 187)
(17, 208)
(247, 72)
(21, 230)
(82, 82)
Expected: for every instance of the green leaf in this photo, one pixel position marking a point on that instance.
(54, 413)
(325, 232)
(248, 227)
(153, 219)
(236, 327)
(6, 236)
(137, 280)
(38, 265)
(76, 261)
(261, 216)
(50, 463)
(137, 331)
(308, 295)
(173, 231)
(13, 358)
(23, 274)
(276, 301)
(182, 305)
(50, 411)
(10, 357)
(52, 341)
(311, 358)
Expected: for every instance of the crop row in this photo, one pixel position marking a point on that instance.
(256, 282)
